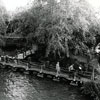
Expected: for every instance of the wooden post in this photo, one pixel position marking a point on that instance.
(27, 66)
(23, 55)
(92, 74)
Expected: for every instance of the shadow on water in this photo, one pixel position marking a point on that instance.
(18, 86)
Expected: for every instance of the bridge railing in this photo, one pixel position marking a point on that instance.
(7, 59)
(49, 68)
(22, 63)
(66, 71)
(85, 74)
(11, 60)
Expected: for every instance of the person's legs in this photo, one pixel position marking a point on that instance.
(57, 74)
(41, 69)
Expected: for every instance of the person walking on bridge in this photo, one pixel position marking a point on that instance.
(57, 69)
(71, 68)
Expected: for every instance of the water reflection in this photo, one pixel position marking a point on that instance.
(16, 86)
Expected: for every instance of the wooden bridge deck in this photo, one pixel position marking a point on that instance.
(36, 68)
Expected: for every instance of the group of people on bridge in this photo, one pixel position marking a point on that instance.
(71, 69)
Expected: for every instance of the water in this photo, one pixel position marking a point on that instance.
(17, 86)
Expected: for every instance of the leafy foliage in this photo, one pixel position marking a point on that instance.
(61, 27)
(91, 89)
(3, 23)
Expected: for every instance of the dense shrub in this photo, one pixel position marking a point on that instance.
(91, 89)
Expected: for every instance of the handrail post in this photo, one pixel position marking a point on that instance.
(15, 60)
(23, 55)
(92, 77)
(27, 66)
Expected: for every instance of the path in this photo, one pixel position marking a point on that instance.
(37, 68)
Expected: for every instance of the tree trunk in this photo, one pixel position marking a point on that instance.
(47, 51)
(66, 48)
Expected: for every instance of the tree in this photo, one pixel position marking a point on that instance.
(3, 23)
(66, 26)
